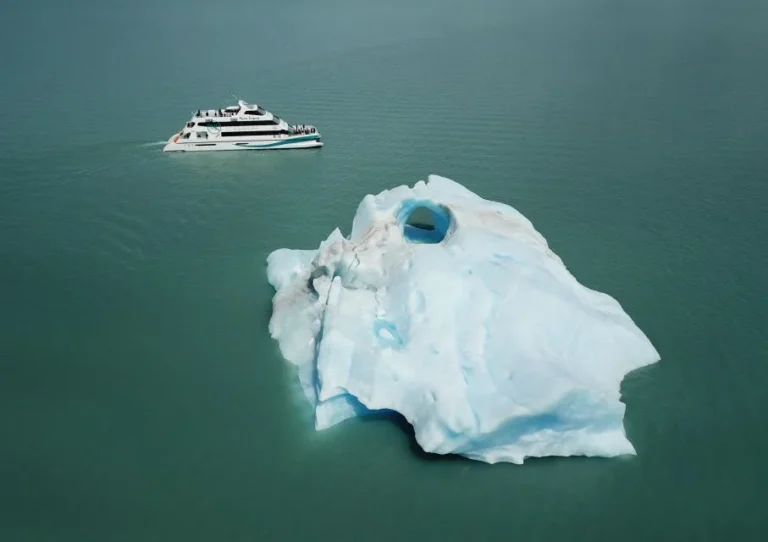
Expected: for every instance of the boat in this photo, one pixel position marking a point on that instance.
(241, 127)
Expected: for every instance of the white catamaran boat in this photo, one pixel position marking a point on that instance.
(241, 127)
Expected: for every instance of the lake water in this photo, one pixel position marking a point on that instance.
(141, 397)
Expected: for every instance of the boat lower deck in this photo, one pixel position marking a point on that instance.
(294, 142)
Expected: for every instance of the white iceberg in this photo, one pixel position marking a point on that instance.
(471, 328)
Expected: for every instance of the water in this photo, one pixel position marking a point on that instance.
(141, 397)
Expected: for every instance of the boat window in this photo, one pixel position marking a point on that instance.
(254, 112)
(227, 124)
(190, 124)
(260, 133)
(185, 136)
(202, 135)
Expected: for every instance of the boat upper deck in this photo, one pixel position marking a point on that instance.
(242, 120)
(242, 109)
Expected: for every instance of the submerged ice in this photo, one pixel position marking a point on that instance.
(465, 322)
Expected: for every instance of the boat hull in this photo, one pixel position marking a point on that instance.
(175, 144)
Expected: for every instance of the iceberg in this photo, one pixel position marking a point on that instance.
(464, 322)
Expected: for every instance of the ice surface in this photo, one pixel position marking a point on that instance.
(472, 329)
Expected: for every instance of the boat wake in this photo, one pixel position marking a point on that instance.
(154, 144)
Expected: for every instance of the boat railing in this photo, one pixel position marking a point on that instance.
(215, 113)
(303, 129)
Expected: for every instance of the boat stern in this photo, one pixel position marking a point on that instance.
(172, 143)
